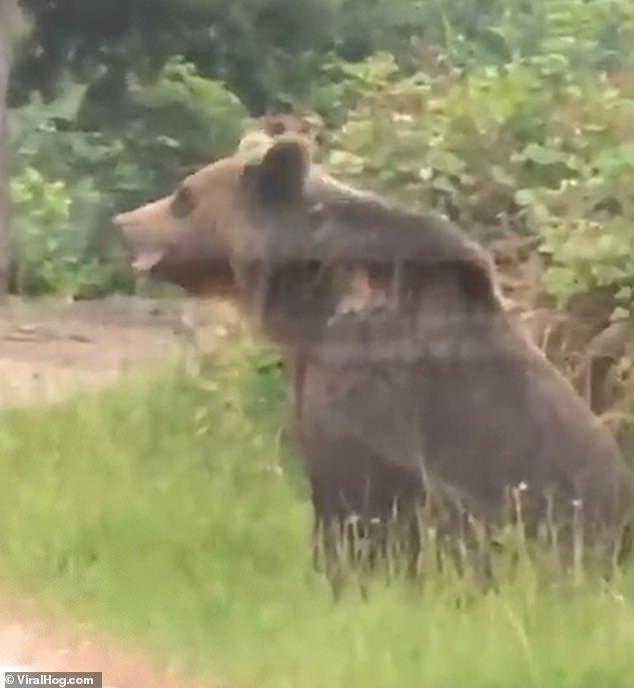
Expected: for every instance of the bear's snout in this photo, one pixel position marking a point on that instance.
(146, 246)
(129, 226)
(122, 219)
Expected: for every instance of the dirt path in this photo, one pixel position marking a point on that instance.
(31, 641)
(48, 350)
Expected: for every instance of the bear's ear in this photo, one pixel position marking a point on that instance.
(280, 177)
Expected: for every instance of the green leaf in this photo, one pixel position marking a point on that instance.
(543, 156)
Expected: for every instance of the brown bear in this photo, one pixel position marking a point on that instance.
(293, 121)
(214, 289)
(435, 394)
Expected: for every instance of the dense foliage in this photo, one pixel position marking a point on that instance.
(507, 116)
(156, 133)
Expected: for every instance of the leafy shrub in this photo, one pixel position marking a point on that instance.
(531, 147)
(155, 134)
(505, 115)
(587, 228)
(49, 253)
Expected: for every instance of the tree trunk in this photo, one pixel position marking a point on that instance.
(7, 9)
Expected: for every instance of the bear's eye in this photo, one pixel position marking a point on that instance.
(277, 129)
(182, 203)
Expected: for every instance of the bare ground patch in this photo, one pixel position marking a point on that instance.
(33, 641)
(49, 349)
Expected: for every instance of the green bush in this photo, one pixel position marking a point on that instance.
(156, 134)
(531, 147)
(504, 115)
(49, 253)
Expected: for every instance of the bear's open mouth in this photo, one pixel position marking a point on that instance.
(146, 259)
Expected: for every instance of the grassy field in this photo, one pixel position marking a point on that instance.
(174, 515)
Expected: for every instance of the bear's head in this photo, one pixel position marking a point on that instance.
(213, 223)
(175, 239)
(305, 124)
(190, 235)
(184, 238)
(283, 237)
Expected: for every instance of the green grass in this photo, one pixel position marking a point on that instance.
(171, 515)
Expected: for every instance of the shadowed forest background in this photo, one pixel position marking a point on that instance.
(513, 118)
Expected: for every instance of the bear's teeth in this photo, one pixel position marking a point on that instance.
(146, 260)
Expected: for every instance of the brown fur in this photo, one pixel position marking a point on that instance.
(435, 392)
(308, 125)
(190, 258)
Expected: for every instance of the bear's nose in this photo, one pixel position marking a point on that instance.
(121, 219)
(128, 226)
